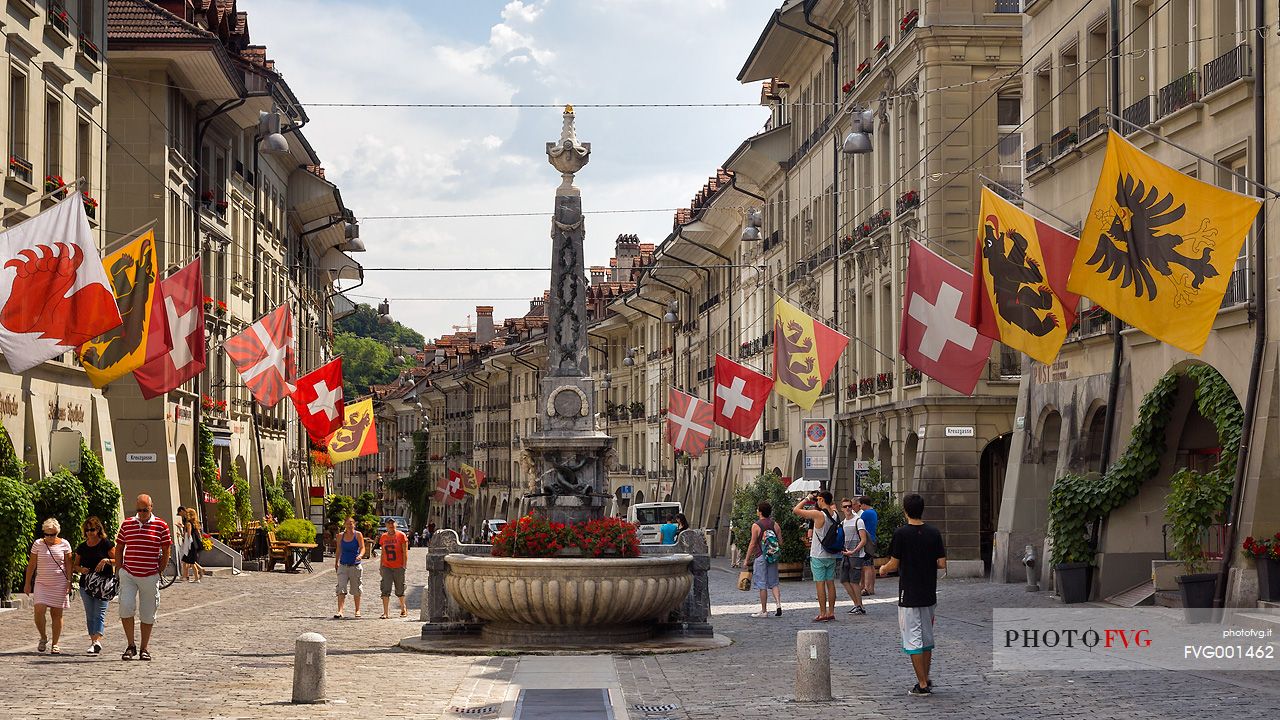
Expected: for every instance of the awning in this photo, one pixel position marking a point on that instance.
(340, 266)
(314, 199)
(760, 156)
(777, 45)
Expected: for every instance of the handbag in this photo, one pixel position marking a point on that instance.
(744, 580)
(100, 586)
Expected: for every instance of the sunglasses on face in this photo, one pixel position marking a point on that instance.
(847, 507)
(51, 534)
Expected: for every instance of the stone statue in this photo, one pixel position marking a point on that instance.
(568, 155)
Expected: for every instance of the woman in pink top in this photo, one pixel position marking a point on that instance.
(50, 565)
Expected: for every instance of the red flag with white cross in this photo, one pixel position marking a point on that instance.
(936, 335)
(689, 422)
(175, 341)
(740, 394)
(318, 397)
(263, 354)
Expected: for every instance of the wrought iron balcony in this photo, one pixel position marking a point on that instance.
(1064, 141)
(1178, 94)
(1137, 114)
(1008, 6)
(1035, 158)
(1225, 69)
(1093, 123)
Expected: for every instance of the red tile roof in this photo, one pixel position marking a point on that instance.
(145, 20)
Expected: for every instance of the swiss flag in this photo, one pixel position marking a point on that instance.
(689, 422)
(175, 340)
(450, 489)
(936, 335)
(740, 394)
(318, 397)
(263, 354)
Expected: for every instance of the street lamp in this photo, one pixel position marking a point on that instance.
(630, 359)
(752, 230)
(607, 382)
(858, 141)
(272, 143)
(670, 317)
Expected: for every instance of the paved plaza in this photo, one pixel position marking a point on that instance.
(224, 649)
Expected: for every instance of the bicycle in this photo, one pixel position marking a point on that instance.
(169, 573)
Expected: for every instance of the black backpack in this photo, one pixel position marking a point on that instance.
(832, 539)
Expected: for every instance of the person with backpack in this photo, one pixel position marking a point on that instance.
(825, 549)
(762, 555)
(854, 555)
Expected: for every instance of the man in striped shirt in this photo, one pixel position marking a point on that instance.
(142, 548)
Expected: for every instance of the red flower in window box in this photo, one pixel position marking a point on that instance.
(864, 66)
(847, 87)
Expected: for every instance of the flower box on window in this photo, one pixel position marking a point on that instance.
(906, 201)
(882, 47)
(863, 67)
(909, 22)
(847, 87)
(55, 184)
(90, 205)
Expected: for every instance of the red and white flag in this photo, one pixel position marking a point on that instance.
(263, 354)
(318, 397)
(54, 292)
(175, 341)
(689, 422)
(740, 394)
(936, 335)
(450, 490)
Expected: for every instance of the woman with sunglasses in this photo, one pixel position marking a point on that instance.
(49, 576)
(94, 556)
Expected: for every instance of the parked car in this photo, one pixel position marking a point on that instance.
(650, 517)
(491, 527)
(401, 524)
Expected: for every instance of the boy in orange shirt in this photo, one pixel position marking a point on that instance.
(395, 554)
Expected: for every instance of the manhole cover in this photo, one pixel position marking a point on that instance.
(558, 704)
(475, 711)
(654, 709)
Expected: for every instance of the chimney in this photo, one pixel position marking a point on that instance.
(626, 250)
(484, 324)
(597, 274)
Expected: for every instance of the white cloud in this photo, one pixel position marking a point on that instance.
(420, 161)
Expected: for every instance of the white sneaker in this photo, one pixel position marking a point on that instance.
(760, 615)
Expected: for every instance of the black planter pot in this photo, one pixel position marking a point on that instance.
(317, 553)
(1072, 582)
(1197, 596)
(1268, 579)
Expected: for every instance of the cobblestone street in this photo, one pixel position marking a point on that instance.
(223, 649)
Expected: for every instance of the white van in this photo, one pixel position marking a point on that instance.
(650, 517)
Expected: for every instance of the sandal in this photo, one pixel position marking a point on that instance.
(404, 613)
(382, 617)
(129, 653)
(144, 655)
(44, 645)
(54, 650)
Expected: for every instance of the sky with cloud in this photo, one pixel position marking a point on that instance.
(411, 161)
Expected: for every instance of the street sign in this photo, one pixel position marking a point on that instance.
(966, 431)
(624, 491)
(140, 457)
(817, 449)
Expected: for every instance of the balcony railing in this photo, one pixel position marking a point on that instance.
(1093, 123)
(1178, 94)
(1225, 69)
(1238, 287)
(89, 49)
(1010, 362)
(58, 18)
(772, 241)
(21, 168)
(1138, 114)
(1064, 140)
(1008, 6)
(1035, 158)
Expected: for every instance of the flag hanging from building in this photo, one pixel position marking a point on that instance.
(134, 279)
(804, 354)
(446, 488)
(318, 397)
(936, 336)
(1020, 273)
(175, 336)
(358, 435)
(263, 354)
(689, 422)
(1158, 247)
(54, 292)
(740, 395)
(472, 479)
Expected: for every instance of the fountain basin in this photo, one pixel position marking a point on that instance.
(568, 601)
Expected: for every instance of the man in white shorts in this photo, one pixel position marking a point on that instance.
(142, 548)
(917, 553)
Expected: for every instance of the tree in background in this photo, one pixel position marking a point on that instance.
(225, 508)
(103, 495)
(366, 323)
(768, 486)
(281, 509)
(366, 504)
(416, 488)
(243, 499)
(365, 362)
(10, 465)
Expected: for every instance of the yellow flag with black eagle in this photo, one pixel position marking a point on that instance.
(1158, 246)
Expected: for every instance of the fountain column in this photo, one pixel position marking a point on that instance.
(565, 460)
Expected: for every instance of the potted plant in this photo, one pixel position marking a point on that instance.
(1196, 501)
(207, 198)
(1069, 529)
(637, 410)
(1266, 553)
(56, 185)
(90, 205)
(221, 206)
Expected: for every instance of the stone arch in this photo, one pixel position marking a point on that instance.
(1093, 430)
(506, 507)
(639, 496)
(797, 466)
(910, 454)
(188, 493)
(992, 465)
(1048, 437)
(493, 507)
(884, 455)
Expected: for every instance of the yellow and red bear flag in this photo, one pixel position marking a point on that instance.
(804, 354)
(1159, 246)
(472, 478)
(358, 436)
(1020, 270)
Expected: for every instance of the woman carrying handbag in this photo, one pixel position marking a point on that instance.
(93, 560)
(49, 576)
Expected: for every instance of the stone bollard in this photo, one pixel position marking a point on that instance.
(308, 669)
(813, 666)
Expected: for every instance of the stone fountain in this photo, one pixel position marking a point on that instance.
(539, 604)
